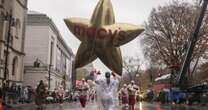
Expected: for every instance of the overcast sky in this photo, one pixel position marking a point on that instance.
(126, 11)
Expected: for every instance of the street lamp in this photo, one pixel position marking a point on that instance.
(37, 64)
(10, 20)
(138, 78)
(49, 77)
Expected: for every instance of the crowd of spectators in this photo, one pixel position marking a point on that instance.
(17, 94)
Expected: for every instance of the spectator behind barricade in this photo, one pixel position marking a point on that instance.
(61, 94)
(30, 94)
(25, 93)
(3, 105)
(18, 93)
(1, 100)
(14, 93)
(9, 94)
(3, 93)
(54, 95)
(21, 95)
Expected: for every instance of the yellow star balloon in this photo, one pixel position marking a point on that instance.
(101, 37)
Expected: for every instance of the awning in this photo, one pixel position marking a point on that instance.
(163, 77)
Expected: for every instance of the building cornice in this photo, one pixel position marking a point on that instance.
(13, 49)
(40, 19)
(63, 47)
(23, 5)
(16, 51)
(42, 69)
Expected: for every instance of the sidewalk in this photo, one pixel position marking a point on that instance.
(20, 105)
(195, 106)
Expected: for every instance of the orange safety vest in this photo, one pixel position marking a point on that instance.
(1, 105)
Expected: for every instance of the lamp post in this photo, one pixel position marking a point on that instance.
(138, 79)
(37, 64)
(49, 77)
(10, 20)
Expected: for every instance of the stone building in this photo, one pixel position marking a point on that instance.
(45, 46)
(12, 32)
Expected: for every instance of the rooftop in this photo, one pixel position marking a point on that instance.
(35, 17)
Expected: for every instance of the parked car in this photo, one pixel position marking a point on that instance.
(149, 96)
(172, 95)
(177, 96)
(197, 94)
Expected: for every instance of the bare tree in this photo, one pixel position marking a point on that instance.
(168, 30)
(201, 74)
(131, 66)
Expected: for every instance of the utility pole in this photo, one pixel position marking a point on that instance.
(193, 40)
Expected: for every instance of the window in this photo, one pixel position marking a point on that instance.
(11, 41)
(63, 63)
(17, 26)
(58, 59)
(14, 65)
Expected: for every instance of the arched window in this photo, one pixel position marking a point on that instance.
(14, 65)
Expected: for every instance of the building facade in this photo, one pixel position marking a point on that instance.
(13, 15)
(45, 46)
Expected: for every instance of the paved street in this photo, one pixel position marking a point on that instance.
(65, 106)
(92, 106)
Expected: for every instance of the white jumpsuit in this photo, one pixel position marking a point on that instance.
(106, 93)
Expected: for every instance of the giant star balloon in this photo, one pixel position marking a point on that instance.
(101, 37)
